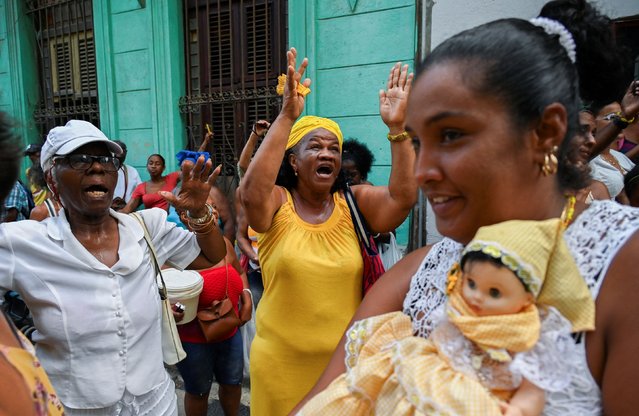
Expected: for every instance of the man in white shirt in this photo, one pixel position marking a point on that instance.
(128, 180)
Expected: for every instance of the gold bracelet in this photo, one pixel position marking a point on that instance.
(398, 137)
(204, 228)
(206, 231)
(203, 219)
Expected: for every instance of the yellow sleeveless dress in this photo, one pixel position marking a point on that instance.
(312, 286)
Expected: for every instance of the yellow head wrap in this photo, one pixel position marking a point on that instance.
(537, 253)
(307, 124)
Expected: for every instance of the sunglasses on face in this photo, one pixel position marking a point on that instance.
(84, 162)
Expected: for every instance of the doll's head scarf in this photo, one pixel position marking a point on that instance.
(535, 251)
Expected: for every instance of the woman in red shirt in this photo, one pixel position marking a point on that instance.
(223, 359)
(147, 192)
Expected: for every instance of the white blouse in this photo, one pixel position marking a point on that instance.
(594, 239)
(98, 328)
(609, 175)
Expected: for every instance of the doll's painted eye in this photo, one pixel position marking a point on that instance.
(494, 293)
(472, 284)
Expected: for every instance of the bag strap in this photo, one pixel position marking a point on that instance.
(50, 208)
(147, 238)
(126, 180)
(358, 222)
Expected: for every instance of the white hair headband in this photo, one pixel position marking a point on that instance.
(553, 27)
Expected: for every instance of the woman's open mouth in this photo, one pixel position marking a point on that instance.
(325, 171)
(96, 191)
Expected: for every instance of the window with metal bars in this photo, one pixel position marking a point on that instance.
(66, 62)
(235, 49)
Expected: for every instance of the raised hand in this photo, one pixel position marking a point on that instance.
(393, 101)
(205, 142)
(260, 127)
(630, 101)
(196, 184)
(293, 103)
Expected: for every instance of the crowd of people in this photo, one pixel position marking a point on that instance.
(525, 148)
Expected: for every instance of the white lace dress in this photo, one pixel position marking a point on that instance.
(593, 238)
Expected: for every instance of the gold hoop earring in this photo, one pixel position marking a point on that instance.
(551, 164)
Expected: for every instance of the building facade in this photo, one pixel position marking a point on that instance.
(155, 73)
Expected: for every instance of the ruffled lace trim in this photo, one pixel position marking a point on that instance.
(548, 365)
(554, 358)
(428, 286)
(356, 337)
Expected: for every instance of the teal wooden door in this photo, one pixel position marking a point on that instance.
(351, 46)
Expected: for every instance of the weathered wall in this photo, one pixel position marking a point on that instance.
(140, 65)
(18, 68)
(453, 16)
(140, 68)
(351, 46)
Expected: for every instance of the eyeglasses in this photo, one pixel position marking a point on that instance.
(84, 162)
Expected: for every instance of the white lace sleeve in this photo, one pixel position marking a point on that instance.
(595, 237)
(551, 362)
(428, 286)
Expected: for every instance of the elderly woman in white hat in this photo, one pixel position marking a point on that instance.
(88, 279)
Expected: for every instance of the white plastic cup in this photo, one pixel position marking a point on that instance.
(184, 287)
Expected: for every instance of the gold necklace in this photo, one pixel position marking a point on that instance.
(611, 160)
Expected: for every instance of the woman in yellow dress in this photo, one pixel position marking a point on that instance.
(309, 252)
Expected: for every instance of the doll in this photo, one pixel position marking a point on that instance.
(502, 339)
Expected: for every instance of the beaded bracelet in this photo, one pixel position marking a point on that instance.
(625, 120)
(619, 123)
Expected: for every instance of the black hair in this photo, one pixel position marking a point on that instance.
(10, 156)
(122, 157)
(286, 176)
(158, 155)
(360, 154)
(36, 176)
(631, 182)
(121, 144)
(480, 256)
(527, 69)
(604, 68)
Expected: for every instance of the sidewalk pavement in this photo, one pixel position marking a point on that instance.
(214, 404)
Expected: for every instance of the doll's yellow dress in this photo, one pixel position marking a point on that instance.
(470, 363)
(392, 372)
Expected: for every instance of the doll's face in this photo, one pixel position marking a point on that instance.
(492, 290)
